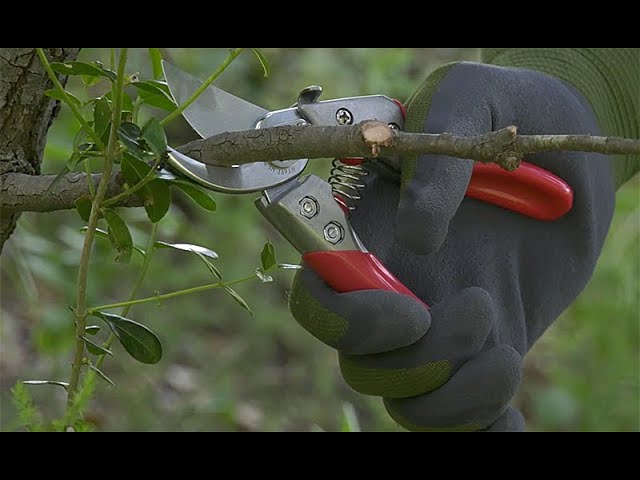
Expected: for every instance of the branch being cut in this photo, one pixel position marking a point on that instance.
(369, 139)
(372, 139)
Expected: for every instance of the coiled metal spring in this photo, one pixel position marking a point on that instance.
(346, 181)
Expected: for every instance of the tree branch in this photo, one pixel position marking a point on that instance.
(26, 193)
(369, 139)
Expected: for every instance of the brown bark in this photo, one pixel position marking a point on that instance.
(26, 114)
(370, 139)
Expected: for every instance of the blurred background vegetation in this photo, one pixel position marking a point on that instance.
(226, 370)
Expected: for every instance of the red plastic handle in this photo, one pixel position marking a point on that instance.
(352, 270)
(529, 190)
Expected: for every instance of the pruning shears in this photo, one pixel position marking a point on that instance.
(313, 213)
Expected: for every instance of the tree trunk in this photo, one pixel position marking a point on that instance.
(26, 114)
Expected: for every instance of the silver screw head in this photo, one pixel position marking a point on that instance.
(344, 117)
(334, 233)
(308, 207)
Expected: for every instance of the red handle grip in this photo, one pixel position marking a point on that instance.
(529, 190)
(352, 270)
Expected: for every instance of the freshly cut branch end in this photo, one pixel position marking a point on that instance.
(377, 135)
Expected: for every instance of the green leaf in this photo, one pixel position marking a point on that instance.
(105, 236)
(92, 329)
(94, 348)
(83, 207)
(289, 266)
(196, 194)
(186, 247)
(133, 169)
(268, 257)
(212, 268)
(129, 134)
(90, 80)
(152, 93)
(263, 61)
(160, 201)
(101, 116)
(127, 103)
(119, 235)
(264, 278)
(46, 382)
(55, 93)
(156, 62)
(102, 375)
(153, 134)
(238, 299)
(140, 342)
(156, 193)
(81, 68)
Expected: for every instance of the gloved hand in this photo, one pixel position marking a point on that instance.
(495, 279)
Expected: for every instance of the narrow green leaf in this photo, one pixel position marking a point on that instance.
(186, 247)
(238, 299)
(74, 159)
(81, 68)
(94, 348)
(263, 61)
(152, 93)
(158, 206)
(268, 257)
(46, 382)
(156, 62)
(55, 93)
(83, 207)
(102, 375)
(119, 235)
(101, 116)
(289, 266)
(92, 329)
(105, 236)
(264, 278)
(212, 268)
(196, 194)
(153, 134)
(140, 342)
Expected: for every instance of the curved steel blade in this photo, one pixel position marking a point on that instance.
(215, 111)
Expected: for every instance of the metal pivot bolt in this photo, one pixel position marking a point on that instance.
(334, 233)
(344, 117)
(308, 207)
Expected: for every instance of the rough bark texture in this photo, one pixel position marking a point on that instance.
(25, 115)
(24, 193)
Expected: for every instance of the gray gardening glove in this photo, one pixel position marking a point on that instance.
(495, 279)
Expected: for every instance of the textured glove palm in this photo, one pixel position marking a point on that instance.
(495, 279)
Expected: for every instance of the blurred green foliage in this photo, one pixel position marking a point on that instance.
(226, 370)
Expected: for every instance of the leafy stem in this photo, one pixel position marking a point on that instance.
(149, 251)
(67, 99)
(83, 270)
(212, 78)
(179, 293)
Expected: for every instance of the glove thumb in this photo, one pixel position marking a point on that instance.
(433, 186)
